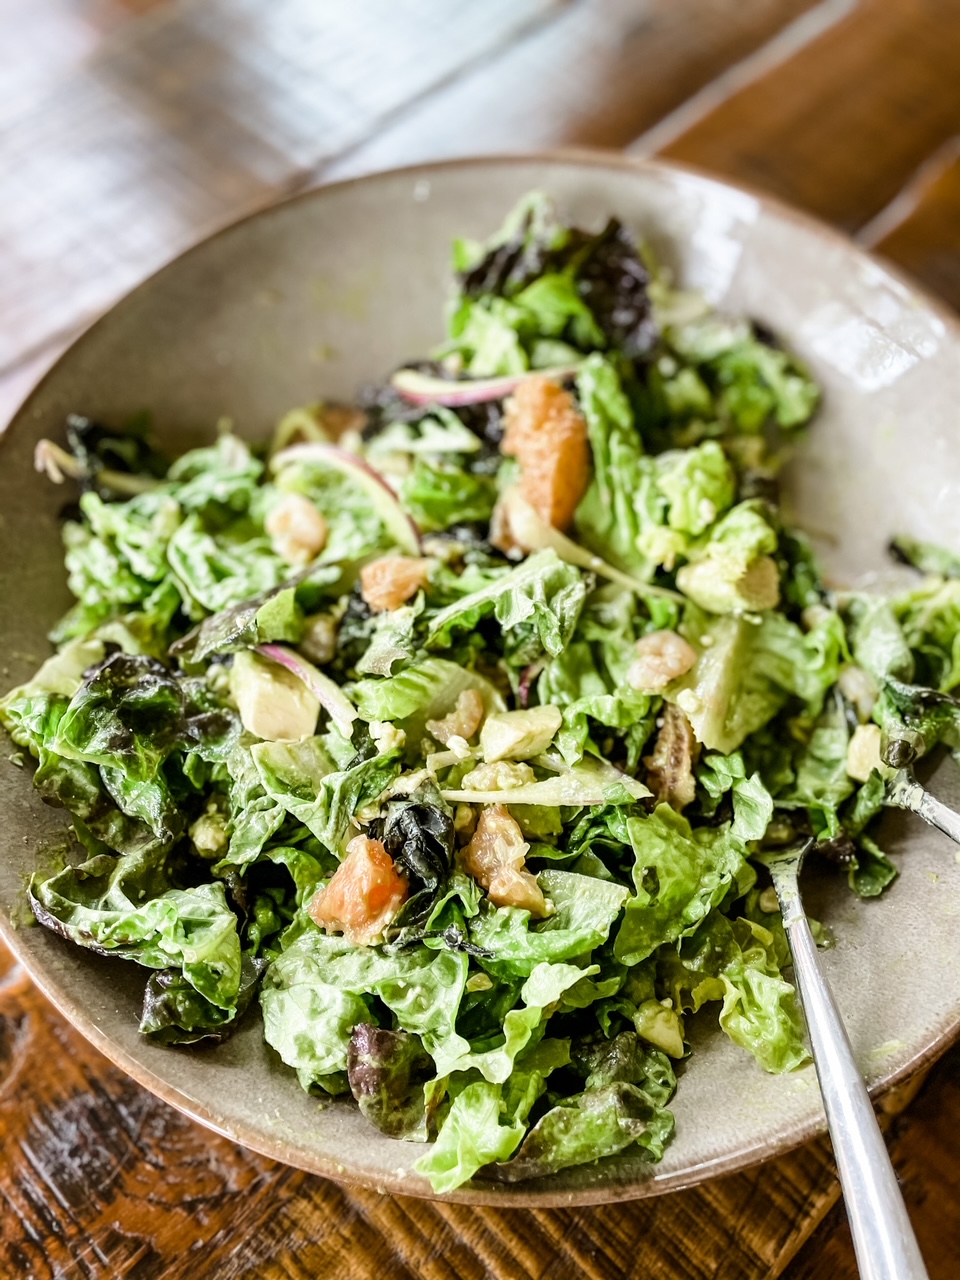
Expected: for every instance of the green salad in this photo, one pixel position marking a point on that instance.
(444, 727)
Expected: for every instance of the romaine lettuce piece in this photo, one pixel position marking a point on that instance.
(303, 779)
(747, 669)
(754, 383)
(699, 485)
(929, 619)
(584, 911)
(427, 690)
(622, 516)
(542, 591)
(679, 876)
(315, 993)
(734, 571)
(476, 1132)
(876, 639)
(739, 962)
(441, 495)
(127, 907)
(588, 1127)
(752, 802)
(439, 432)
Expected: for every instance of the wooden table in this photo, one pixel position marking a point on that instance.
(850, 110)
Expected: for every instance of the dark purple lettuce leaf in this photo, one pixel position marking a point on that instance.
(586, 1128)
(613, 282)
(610, 274)
(387, 1071)
(175, 1013)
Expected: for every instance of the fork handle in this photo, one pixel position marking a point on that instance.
(906, 793)
(883, 1238)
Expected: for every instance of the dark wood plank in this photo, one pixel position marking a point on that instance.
(839, 128)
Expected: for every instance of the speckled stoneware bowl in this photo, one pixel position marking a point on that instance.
(315, 296)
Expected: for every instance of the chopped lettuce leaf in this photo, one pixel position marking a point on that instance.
(679, 875)
(621, 516)
(542, 592)
(746, 671)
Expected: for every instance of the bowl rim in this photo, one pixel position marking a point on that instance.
(475, 1193)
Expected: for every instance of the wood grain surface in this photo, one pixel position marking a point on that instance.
(840, 127)
(854, 113)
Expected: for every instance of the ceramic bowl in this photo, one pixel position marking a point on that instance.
(318, 295)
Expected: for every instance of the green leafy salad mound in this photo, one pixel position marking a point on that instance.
(446, 726)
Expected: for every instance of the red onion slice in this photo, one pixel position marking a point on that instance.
(422, 388)
(403, 529)
(329, 694)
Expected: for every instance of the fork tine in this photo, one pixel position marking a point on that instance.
(784, 867)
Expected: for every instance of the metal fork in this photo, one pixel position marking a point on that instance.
(905, 792)
(883, 1238)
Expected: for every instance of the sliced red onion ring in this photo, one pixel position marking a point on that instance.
(403, 529)
(331, 697)
(422, 388)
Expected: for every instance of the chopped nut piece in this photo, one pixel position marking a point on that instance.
(464, 822)
(768, 900)
(386, 736)
(297, 530)
(670, 766)
(209, 833)
(363, 895)
(460, 747)
(319, 639)
(338, 419)
(463, 721)
(495, 858)
(546, 432)
(662, 657)
(502, 776)
(690, 702)
(389, 582)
